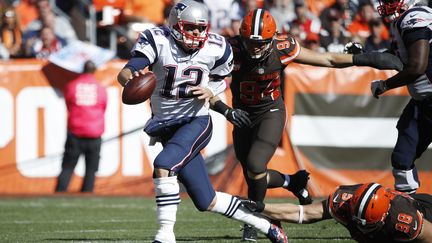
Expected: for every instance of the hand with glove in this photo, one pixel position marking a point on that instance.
(353, 47)
(237, 117)
(254, 207)
(378, 87)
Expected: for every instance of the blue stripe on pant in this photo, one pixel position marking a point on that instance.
(184, 143)
(181, 154)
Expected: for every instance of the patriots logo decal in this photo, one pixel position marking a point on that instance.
(410, 23)
(180, 7)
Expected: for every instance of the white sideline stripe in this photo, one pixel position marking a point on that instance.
(343, 131)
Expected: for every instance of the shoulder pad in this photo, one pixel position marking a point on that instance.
(287, 48)
(417, 17)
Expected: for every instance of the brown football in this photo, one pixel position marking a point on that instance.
(139, 89)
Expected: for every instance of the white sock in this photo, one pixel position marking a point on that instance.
(287, 181)
(167, 200)
(230, 207)
(406, 180)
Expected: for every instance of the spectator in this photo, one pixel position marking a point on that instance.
(340, 8)
(86, 101)
(359, 28)
(61, 26)
(375, 41)
(11, 35)
(4, 54)
(27, 12)
(43, 45)
(283, 12)
(144, 11)
(309, 25)
(335, 38)
(221, 15)
(238, 11)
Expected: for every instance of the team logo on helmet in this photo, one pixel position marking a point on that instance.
(180, 7)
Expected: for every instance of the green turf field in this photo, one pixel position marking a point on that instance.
(125, 219)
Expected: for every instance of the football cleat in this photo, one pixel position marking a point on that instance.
(249, 233)
(164, 237)
(276, 233)
(298, 184)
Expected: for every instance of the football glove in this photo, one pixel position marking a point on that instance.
(378, 87)
(353, 47)
(239, 118)
(254, 207)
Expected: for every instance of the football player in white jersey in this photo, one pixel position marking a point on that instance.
(411, 28)
(190, 65)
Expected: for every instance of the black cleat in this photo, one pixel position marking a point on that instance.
(249, 233)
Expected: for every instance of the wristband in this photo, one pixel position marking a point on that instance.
(221, 107)
(301, 215)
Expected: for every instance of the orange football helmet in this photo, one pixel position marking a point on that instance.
(370, 205)
(257, 32)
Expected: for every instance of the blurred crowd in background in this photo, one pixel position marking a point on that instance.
(37, 28)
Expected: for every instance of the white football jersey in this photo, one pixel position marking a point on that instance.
(415, 18)
(177, 71)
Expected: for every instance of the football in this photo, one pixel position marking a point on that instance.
(139, 88)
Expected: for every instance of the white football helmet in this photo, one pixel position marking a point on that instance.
(392, 9)
(185, 15)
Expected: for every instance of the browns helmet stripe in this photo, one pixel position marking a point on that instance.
(365, 199)
(257, 22)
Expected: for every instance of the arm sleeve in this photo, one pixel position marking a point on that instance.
(145, 46)
(217, 86)
(411, 36)
(137, 62)
(224, 64)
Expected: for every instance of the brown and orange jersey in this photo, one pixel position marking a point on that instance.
(404, 220)
(256, 84)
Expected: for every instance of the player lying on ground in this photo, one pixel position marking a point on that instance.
(370, 212)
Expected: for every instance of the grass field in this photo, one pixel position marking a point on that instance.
(126, 219)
